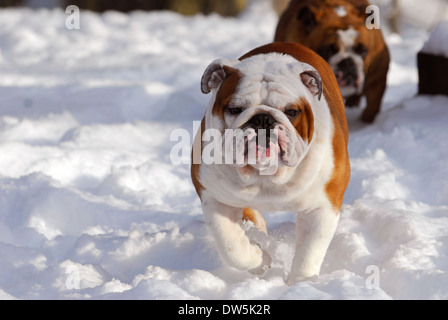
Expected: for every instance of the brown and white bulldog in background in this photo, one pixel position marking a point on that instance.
(279, 111)
(336, 29)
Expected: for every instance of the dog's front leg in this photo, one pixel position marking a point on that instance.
(225, 224)
(315, 230)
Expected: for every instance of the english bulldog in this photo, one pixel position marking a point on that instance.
(336, 29)
(278, 117)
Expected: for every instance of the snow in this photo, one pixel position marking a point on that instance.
(91, 207)
(438, 40)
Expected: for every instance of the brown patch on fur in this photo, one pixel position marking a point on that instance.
(304, 123)
(335, 187)
(249, 215)
(197, 158)
(226, 91)
(256, 217)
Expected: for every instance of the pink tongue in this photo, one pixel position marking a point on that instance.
(340, 77)
(263, 153)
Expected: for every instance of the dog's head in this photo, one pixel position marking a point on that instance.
(339, 35)
(345, 53)
(263, 106)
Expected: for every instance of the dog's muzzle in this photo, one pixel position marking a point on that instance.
(261, 146)
(349, 75)
(263, 124)
(265, 139)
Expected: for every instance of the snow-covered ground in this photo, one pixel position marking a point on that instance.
(92, 207)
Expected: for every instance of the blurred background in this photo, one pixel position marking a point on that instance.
(187, 7)
(398, 13)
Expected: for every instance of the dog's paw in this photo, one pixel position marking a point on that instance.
(265, 264)
(293, 279)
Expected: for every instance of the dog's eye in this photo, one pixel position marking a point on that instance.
(327, 51)
(234, 111)
(292, 113)
(361, 50)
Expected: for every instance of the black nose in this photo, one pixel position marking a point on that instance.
(349, 71)
(347, 64)
(262, 121)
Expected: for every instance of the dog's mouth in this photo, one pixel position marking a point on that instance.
(348, 80)
(344, 80)
(265, 144)
(349, 76)
(261, 148)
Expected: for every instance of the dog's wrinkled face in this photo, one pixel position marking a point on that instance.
(338, 35)
(345, 54)
(263, 106)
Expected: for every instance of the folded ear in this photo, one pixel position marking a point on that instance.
(312, 80)
(216, 73)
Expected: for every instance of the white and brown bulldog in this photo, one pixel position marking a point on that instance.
(336, 29)
(274, 138)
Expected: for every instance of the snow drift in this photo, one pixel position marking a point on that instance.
(91, 206)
